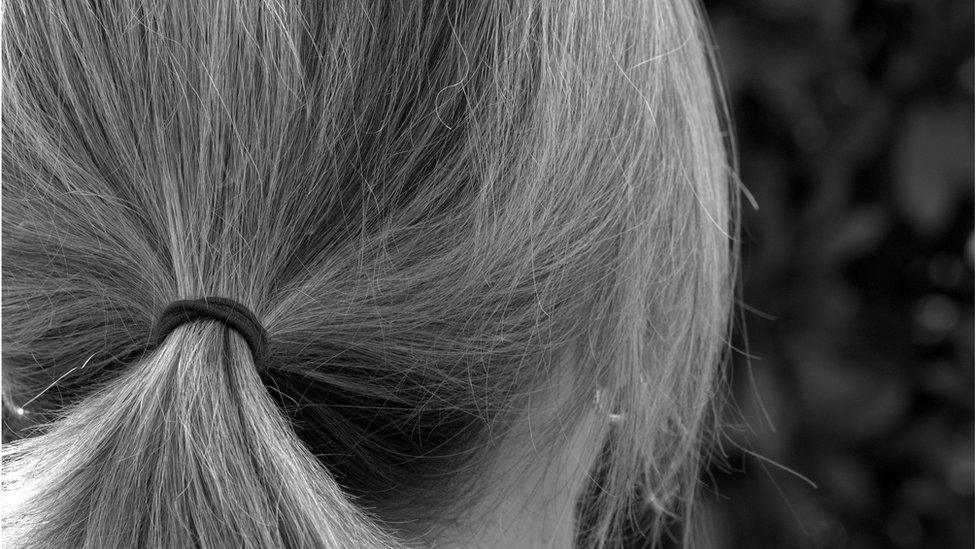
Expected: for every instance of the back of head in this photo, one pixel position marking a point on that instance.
(450, 218)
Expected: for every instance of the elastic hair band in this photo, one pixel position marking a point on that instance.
(227, 311)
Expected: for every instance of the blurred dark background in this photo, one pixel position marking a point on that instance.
(854, 123)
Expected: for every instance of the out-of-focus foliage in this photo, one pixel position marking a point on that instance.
(854, 122)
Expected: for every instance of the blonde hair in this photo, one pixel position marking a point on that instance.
(424, 204)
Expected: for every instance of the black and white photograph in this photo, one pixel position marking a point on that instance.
(487, 274)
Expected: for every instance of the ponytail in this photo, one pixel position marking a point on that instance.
(185, 448)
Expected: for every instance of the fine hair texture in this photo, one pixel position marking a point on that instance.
(425, 204)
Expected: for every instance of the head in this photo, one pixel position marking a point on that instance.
(489, 244)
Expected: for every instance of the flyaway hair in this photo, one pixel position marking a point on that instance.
(427, 205)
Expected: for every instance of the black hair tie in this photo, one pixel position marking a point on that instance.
(227, 311)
